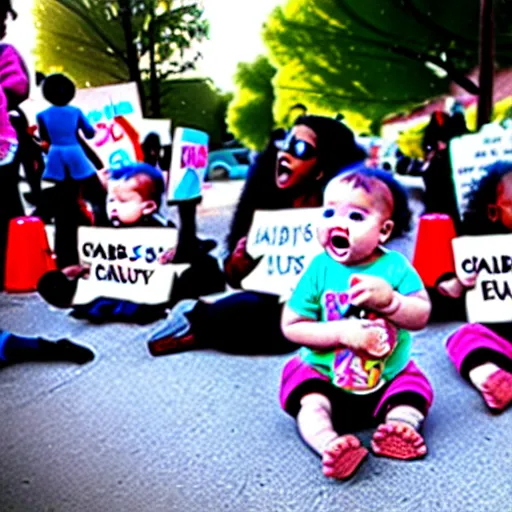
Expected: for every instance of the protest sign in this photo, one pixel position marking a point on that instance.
(115, 112)
(124, 264)
(188, 165)
(471, 154)
(286, 241)
(491, 258)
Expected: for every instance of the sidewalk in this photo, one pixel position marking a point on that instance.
(202, 431)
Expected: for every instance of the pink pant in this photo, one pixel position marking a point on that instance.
(474, 344)
(299, 379)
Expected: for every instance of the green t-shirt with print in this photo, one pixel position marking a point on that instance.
(320, 295)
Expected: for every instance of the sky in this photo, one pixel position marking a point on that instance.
(235, 27)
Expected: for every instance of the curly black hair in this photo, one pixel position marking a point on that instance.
(483, 193)
(401, 215)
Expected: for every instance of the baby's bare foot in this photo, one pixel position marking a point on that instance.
(497, 390)
(342, 457)
(398, 440)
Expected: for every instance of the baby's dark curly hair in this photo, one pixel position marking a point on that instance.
(401, 215)
(482, 194)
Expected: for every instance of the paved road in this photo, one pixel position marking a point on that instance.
(202, 431)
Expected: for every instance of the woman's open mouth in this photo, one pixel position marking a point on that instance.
(283, 172)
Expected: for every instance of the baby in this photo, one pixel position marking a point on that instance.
(358, 368)
(482, 354)
(134, 198)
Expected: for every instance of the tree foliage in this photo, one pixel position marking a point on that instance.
(99, 42)
(196, 103)
(376, 57)
(250, 117)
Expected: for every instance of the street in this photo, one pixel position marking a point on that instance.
(203, 430)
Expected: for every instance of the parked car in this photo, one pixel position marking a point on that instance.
(232, 163)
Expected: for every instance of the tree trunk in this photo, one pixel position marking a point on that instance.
(154, 84)
(131, 50)
(486, 80)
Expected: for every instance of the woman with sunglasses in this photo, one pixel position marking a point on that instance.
(289, 173)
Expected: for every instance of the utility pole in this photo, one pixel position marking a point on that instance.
(486, 78)
(153, 75)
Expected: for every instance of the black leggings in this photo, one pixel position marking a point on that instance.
(243, 323)
(68, 215)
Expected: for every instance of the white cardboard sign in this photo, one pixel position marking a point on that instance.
(471, 154)
(490, 257)
(286, 241)
(124, 264)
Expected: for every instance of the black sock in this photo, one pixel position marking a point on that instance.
(19, 349)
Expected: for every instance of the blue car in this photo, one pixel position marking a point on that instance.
(230, 163)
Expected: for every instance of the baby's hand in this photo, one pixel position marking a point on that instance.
(455, 287)
(469, 281)
(167, 256)
(370, 292)
(375, 337)
(79, 271)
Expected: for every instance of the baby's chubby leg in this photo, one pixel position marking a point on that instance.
(398, 436)
(341, 455)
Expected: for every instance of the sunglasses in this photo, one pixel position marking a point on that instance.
(297, 148)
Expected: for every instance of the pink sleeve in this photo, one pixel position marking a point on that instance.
(14, 78)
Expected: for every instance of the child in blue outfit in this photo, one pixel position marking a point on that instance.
(351, 312)
(68, 165)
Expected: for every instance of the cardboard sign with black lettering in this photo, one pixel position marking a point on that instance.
(490, 257)
(472, 154)
(124, 264)
(286, 241)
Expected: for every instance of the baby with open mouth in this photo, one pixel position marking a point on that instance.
(345, 356)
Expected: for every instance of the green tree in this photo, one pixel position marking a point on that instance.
(196, 103)
(376, 57)
(250, 117)
(99, 42)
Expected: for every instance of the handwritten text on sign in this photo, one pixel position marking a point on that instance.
(471, 154)
(287, 242)
(189, 164)
(102, 105)
(124, 264)
(491, 258)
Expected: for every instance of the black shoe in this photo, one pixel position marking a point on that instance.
(65, 350)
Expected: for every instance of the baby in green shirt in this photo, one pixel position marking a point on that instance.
(358, 366)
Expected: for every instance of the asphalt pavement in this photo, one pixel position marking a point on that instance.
(203, 430)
